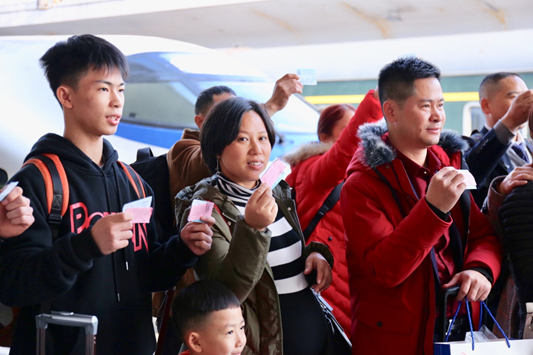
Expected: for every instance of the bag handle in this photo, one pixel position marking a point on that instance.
(483, 304)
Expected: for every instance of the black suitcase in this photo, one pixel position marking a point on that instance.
(90, 323)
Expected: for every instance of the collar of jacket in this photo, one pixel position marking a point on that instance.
(376, 152)
(189, 133)
(306, 151)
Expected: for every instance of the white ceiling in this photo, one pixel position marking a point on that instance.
(273, 23)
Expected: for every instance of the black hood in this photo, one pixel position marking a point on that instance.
(54, 144)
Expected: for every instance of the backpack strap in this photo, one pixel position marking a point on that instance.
(57, 196)
(134, 178)
(330, 202)
(57, 189)
(144, 154)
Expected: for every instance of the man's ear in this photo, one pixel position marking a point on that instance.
(192, 340)
(63, 95)
(485, 106)
(390, 110)
(199, 120)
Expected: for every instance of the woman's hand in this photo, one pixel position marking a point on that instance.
(261, 209)
(315, 261)
(198, 236)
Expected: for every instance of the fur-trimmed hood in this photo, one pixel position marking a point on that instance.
(306, 151)
(374, 151)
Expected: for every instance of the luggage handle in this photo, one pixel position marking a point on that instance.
(443, 303)
(90, 323)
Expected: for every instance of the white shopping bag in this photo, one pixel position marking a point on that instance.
(494, 347)
(490, 347)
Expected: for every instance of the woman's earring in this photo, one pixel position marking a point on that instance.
(217, 171)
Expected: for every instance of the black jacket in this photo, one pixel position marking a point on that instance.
(72, 274)
(516, 216)
(486, 160)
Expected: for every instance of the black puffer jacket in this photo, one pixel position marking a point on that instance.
(516, 216)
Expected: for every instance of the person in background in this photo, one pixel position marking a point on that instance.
(317, 168)
(510, 313)
(258, 249)
(16, 214)
(209, 319)
(499, 147)
(510, 224)
(516, 220)
(495, 151)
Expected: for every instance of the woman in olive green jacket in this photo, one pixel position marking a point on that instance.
(258, 249)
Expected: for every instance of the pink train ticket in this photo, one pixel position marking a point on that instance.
(140, 214)
(200, 208)
(273, 175)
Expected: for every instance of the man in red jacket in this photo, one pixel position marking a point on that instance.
(410, 226)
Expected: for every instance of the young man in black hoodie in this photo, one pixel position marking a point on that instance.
(100, 263)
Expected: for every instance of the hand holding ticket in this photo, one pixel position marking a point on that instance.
(140, 209)
(307, 76)
(274, 174)
(470, 181)
(6, 191)
(200, 208)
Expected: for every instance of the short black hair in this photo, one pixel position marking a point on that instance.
(196, 302)
(67, 61)
(222, 126)
(396, 79)
(205, 99)
(491, 81)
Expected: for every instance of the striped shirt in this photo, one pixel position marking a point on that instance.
(285, 254)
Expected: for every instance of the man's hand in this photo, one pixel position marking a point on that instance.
(315, 261)
(198, 236)
(113, 232)
(474, 285)
(16, 215)
(261, 209)
(519, 111)
(518, 177)
(445, 188)
(287, 85)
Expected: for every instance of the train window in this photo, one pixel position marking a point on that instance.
(473, 117)
(168, 104)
